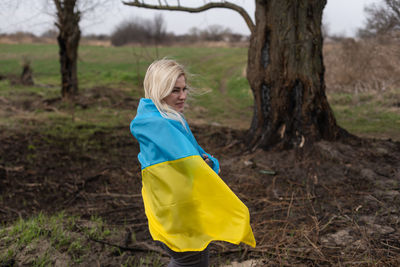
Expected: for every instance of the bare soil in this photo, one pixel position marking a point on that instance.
(331, 204)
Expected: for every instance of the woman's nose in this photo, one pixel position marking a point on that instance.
(183, 94)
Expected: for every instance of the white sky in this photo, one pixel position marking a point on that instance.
(342, 16)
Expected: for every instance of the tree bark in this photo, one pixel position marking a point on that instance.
(68, 41)
(286, 74)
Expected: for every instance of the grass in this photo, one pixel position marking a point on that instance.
(34, 234)
(43, 240)
(49, 236)
(368, 114)
(222, 94)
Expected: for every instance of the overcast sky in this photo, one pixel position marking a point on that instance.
(342, 17)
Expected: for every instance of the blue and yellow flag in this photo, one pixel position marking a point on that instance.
(186, 203)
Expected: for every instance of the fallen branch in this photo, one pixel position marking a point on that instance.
(139, 246)
(113, 195)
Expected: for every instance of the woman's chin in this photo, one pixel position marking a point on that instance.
(180, 108)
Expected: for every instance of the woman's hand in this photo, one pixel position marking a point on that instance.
(207, 160)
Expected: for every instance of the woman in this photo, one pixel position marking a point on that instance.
(186, 203)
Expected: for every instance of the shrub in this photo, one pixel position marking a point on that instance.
(140, 31)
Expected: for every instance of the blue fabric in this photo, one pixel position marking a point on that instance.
(163, 139)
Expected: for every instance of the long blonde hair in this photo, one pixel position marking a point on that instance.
(159, 82)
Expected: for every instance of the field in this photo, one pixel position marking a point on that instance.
(70, 181)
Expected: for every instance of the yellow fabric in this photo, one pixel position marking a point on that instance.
(188, 206)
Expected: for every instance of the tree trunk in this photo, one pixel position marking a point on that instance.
(286, 74)
(68, 41)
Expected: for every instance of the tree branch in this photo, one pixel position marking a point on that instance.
(395, 7)
(205, 7)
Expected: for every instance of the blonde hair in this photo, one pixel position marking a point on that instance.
(159, 82)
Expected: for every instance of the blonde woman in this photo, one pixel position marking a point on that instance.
(186, 203)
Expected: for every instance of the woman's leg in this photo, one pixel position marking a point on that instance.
(186, 259)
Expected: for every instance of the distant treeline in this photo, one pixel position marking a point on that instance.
(383, 21)
(151, 32)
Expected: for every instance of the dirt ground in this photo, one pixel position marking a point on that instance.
(332, 204)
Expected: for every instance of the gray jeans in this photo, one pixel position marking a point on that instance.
(187, 259)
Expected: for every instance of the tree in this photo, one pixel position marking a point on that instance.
(215, 33)
(381, 19)
(131, 31)
(68, 17)
(158, 29)
(285, 71)
(140, 30)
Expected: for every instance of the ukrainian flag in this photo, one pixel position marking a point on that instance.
(186, 203)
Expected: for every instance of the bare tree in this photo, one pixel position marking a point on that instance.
(214, 33)
(131, 31)
(381, 19)
(285, 71)
(138, 30)
(158, 29)
(68, 17)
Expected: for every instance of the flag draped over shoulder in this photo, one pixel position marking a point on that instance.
(186, 203)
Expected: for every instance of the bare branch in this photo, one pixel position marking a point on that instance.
(381, 19)
(394, 5)
(205, 7)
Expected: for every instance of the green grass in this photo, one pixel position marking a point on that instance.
(49, 235)
(368, 114)
(43, 240)
(123, 68)
(222, 94)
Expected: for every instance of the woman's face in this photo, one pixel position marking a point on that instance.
(176, 99)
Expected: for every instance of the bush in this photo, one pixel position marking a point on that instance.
(140, 31)
(214, 33)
